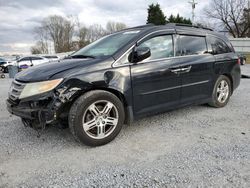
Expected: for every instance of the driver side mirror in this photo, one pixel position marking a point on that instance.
(209, 52)
(212, 52)
(141, 53)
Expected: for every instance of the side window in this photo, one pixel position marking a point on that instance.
(191, 45)
(219, 46)
(36, 58)
(24, 59)
(160, 46)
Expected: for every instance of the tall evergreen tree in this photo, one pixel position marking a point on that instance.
(179, 19)
(156, 15)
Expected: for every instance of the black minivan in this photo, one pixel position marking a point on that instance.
(125, 76)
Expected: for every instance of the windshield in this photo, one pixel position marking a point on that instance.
(106, 46)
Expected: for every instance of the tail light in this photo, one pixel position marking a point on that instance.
(238, 61)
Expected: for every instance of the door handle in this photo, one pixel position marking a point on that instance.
(186, 69)
(176, 70)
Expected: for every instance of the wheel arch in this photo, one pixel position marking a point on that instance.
(117, 93)
(121, 96)
(231, 80)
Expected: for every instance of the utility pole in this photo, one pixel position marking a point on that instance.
(248, 18)
(193, 3)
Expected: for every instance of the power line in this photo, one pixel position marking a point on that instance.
(193, 3)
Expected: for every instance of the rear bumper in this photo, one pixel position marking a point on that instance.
(236, 76)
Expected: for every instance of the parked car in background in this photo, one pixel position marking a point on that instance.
(125, 76)
(2, 60)
(51, 57)
(4, 65)
(31, 61)
(243, 59)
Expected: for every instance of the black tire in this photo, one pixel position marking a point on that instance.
(6, 70)
(81, 105)
(243, 62)
(214, 101)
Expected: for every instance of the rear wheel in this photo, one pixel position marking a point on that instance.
(222, 92)
(6, 70)
(96, 118)
(243, 62)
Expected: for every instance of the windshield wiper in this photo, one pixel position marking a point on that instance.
(82, 56)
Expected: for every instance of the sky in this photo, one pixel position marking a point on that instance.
(18, 18)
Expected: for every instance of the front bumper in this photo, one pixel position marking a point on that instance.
(42, 109)
(34, 114)
(21, 111)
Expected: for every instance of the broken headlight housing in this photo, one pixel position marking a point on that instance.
(36, 88)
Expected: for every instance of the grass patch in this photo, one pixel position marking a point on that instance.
(248, 58)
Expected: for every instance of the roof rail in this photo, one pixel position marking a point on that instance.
(189, 25)
(138, 27)
(142, 26)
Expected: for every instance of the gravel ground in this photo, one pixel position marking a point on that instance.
(245, 69)
(196, 146)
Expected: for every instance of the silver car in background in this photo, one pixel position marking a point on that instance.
(29, 61)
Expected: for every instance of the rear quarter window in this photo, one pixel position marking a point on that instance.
(219, 46)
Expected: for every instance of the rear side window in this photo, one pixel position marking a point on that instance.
(24, 59)
(160, 47)
(219, 46)
(36, 58)
(50, 57)
(191, 45)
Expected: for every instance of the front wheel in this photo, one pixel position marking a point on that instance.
(222, 92)
(96, 117)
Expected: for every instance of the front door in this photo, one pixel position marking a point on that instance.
(155, 81)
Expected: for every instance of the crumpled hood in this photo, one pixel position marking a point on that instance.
(46, 71)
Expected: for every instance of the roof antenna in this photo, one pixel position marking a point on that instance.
(193, 3)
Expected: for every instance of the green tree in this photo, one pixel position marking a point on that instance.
(156, 15)
(179, 19)
(244, 24)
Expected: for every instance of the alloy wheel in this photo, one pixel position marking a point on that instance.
(222, 91)
(244, 62)
(100, 119)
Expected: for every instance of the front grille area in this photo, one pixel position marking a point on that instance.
(15, 90)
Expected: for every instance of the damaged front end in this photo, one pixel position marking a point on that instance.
(40, 110)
